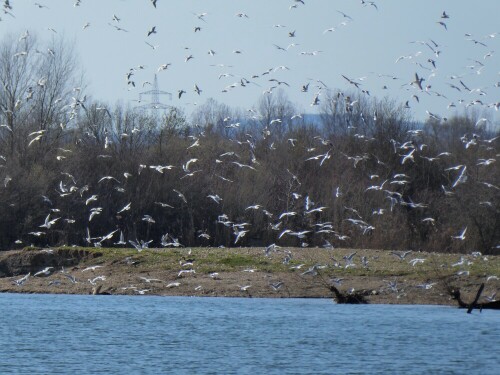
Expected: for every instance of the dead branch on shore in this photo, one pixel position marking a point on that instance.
(351, 297)
(456, 295)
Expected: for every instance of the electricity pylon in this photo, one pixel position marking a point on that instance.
(155, 93)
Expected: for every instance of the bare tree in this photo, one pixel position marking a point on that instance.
(18, 61)
(36, 82)
(275, 111)
(214, 116)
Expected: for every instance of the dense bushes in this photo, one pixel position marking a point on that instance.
(363, 175)
(353, 176)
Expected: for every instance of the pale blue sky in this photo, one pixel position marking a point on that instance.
(366, 47)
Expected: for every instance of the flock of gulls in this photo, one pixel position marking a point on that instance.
(427, 82)
(418, 85)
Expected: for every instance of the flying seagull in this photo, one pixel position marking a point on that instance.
(152, 31)
(461, 236)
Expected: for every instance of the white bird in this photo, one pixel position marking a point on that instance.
(91, 268)
(164, 205)
(286, 214)
(147, 280)
(491, 186)
(311, 271)
(317, 209)
(182, 272)
(239, 234)
(96, 279)
(401, 255)
(491, 298)
(168, 240)
(426, 286)
(180, 195)
(140, 245)
(196, 143)
(185, 166)
(149, 219)
(408, 156)
(121, 241)
(108, 236)
(376, 187)
(71, 278)
(393, 285)
(172, 285)
(48, 223)
(460, 262)
(253, 207)
(22, 280)
(37, 138)
(215, 198)
(243, 165)
(107, 178)
(91, 199)
(125, 208)
(162, 66)
(161, 168)
(269, 249)
(204, 235)
(300, 234)
(6, 127)
(337, 280)
(462, 177)
(284, 232)
(481, 121)
(276, 285)
(349, 260)
(416, 261)
(461, 236)
(45, 272)
(94, 211)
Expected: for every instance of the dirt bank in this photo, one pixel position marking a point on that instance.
(378, 276)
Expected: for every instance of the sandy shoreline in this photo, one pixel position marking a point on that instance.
(247, 272)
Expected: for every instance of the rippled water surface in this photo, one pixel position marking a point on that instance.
(64, 334)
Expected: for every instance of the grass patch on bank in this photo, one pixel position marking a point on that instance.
(381, 263)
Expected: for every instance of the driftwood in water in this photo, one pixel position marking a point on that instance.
(495, 305)
(97, 290)
(478, 295)
(348, 298)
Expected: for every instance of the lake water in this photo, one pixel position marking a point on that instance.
(71, 334)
